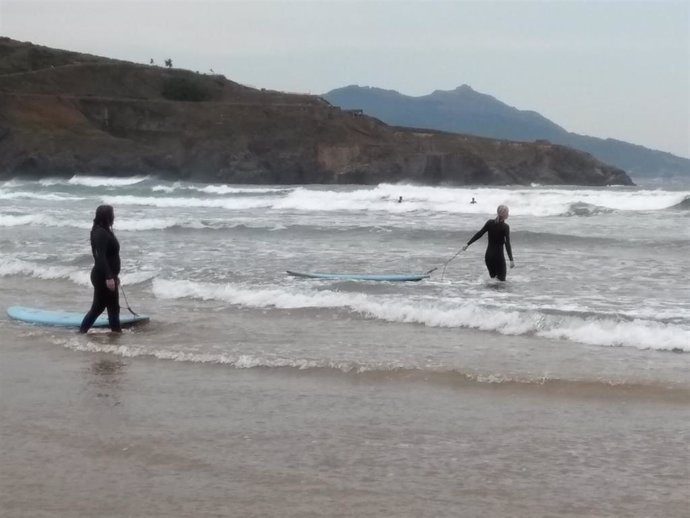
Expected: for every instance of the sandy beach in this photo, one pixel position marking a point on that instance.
(93, 434)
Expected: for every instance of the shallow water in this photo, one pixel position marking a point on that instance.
(600, 273)
(88, 434)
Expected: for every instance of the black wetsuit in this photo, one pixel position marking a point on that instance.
(499, 234)
(106, 254)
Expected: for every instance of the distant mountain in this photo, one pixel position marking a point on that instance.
(465, 110)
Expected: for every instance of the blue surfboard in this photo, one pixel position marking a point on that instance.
(391, 277)
(47, 317)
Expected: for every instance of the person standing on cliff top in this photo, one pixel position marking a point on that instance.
(499, 235)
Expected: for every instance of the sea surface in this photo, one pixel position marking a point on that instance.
(601, 274)
(598, 301)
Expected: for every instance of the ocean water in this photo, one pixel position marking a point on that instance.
(599, 295)
(564, 391)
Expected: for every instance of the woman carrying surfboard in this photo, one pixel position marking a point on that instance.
(104, 274)
(499, 235)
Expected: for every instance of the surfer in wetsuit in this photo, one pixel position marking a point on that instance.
(499, 235)
(104, 275)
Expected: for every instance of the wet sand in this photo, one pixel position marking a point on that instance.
(92, 434)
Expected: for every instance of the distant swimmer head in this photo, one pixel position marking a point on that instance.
(502, 212)
(105, 216)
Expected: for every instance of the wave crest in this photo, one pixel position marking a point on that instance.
(94, 181)
(683, 205)
(78, 275)
(586, 209)
(386, 371)
(602, 330)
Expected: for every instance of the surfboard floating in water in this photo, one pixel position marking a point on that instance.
(392, 277)
(47, 317)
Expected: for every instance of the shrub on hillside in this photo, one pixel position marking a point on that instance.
(184, 89)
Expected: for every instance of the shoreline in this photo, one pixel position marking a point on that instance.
(619, 388)
(88, 434)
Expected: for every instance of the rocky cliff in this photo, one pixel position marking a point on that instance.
(63, 113)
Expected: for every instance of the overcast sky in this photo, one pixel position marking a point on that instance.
(616, 68)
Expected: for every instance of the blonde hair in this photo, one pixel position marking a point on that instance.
(502, 213)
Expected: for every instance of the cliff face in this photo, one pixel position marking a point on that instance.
(63, 113)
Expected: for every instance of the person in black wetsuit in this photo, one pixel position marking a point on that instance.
(104, 275)
(499, 235)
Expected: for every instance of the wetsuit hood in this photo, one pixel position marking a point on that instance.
(105, 216)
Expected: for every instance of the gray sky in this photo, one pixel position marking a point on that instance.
(615, 68)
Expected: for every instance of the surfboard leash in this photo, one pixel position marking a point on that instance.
(127, 302)
(448, 262)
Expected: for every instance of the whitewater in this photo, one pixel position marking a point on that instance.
(599, 292)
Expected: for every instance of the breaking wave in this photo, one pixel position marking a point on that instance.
(523, 202)
(603, 330)
(12, 267)
(533, 201)
(94, 181)
(78, 275)
(585, 209)
(683, 205)
(385, 370)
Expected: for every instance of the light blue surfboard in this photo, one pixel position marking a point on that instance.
(47, 317)
(392, 277)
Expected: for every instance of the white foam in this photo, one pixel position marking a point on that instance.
(522, 202)
(525, 201)
(166, 188)
(215, 189)
(10, 267)
(643, 334)
(129, 279)
(11, 184)
(121, 224)
(132, 224)
(186, 202)
(606, 331)
(27, 195)
(239, 361)
(94, 181)
(9, 220)
(155, 224)
(230, 189)
(257, 298)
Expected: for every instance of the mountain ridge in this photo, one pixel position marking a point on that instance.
(465, 110)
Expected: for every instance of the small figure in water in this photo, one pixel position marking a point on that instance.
(499, 235)
(400, 199)
(473, 201)
(106, 269)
